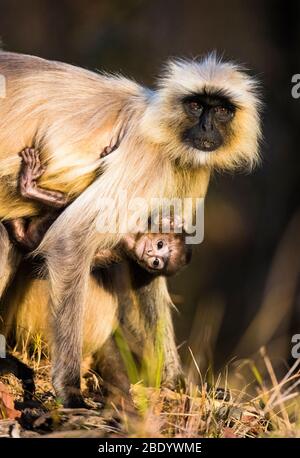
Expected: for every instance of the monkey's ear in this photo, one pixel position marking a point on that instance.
(141, 226)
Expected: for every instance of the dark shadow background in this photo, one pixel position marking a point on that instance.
(242, 290)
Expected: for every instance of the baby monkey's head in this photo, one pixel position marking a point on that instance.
(163, 254)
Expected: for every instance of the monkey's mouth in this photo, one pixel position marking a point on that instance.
(203, 144)
(206, 145)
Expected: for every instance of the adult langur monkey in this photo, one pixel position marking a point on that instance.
(203, 115)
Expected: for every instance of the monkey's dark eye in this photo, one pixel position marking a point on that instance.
(194, 107)
(155, 262)
(160, 244)
(223, 113)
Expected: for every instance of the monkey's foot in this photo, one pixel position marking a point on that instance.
(19, 235)
(107, 150)
(75, 401)
(32, 169)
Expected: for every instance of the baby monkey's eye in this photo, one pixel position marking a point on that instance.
(160, 244)
(155, 262)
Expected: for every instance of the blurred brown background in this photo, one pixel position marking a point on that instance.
(242, 289)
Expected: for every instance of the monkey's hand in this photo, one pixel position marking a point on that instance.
(102, 258)
(175, 223)
(107, 150)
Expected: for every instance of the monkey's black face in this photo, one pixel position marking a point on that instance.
(209, 117)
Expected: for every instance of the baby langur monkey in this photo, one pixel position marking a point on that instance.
(158, 253)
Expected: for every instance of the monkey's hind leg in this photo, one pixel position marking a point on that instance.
(109, 363)
(9, 259)
(155, 307)
(28, 234)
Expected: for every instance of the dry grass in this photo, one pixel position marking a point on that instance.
(265, 408)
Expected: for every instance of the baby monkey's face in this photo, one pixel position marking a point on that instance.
(153, 250)
(161, 253)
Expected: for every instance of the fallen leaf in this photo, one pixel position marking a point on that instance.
(7, 408)
(229, 433)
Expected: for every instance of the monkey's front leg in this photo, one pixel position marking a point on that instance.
(31, 170)
(68, 299)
